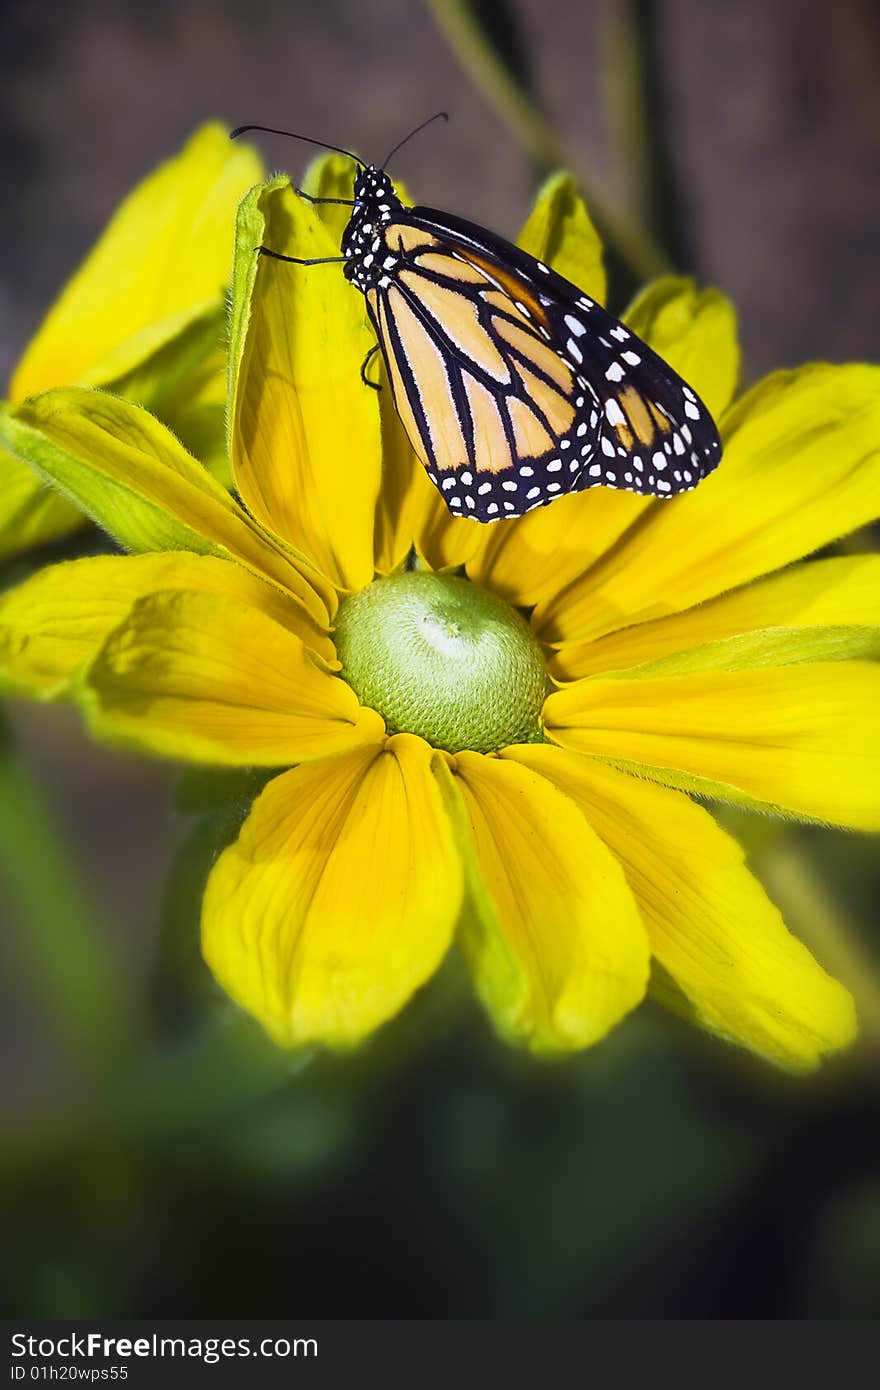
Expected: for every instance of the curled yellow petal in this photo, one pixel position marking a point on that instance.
(129, 472)
(339, 897)
(57, 620)
(210, 679)
(306, 445)
(552, 935)
(711, 925)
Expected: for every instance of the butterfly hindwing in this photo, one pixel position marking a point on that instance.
(514, 386)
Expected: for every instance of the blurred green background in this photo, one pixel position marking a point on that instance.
(158, 1157)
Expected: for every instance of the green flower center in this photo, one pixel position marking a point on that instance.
(439, 657)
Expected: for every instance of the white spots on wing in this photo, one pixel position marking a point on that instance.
(678, 444)
(607, 447)
(492, 508)
(586, 303)
(574, 351)
(631, 358)
(615, 372)
(663, 485)
(509, 507)
(614, 413)
(467, 477)
(470, 501)
(447, 484)
(688, 394)
(484, 488)
(659, 460)
(541, 266)
(526, 472)
(595, 470)
(455, 501)
(581, 430)
(620, 333)
(637, 463)
(554, 487)
(691, 410)
(554, 466)
(575, 326)
(509, 486)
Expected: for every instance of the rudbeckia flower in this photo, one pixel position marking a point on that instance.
(490, 734)
(142, 316)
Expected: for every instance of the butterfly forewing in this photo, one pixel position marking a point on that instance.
(515, 387)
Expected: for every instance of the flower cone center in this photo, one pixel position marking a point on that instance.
(439, 657)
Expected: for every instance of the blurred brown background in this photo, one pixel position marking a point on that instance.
(478, 1185)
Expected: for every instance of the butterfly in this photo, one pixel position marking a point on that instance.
(514, 386)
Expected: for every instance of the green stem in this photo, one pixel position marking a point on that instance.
(57, 937)
(456, 21)
(637, 115)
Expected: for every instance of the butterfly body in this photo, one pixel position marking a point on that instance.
(514, 386)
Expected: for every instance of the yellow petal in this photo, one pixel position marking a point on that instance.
(211, 679)
(130, 474)
(844, 591)
(559, 233)
(532, 558)
(30, 513)
(710, 923)
(801, 740)
(695, 332)
(339, 898)
(57, 620)
(306, 445)
(553, 936)
(801, 467)
(165, 255)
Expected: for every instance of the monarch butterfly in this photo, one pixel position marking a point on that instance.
(513, 386)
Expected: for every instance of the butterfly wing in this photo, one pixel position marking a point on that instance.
(514, 386)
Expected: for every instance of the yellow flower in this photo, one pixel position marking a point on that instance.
(494, 744)
(143, 316)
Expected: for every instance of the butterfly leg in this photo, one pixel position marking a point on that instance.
(301, 193)
(375, 385)
(296, 260)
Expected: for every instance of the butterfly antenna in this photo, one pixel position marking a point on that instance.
(438, 115)
(272, 130)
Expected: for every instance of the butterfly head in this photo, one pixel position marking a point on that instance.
(375, 203)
